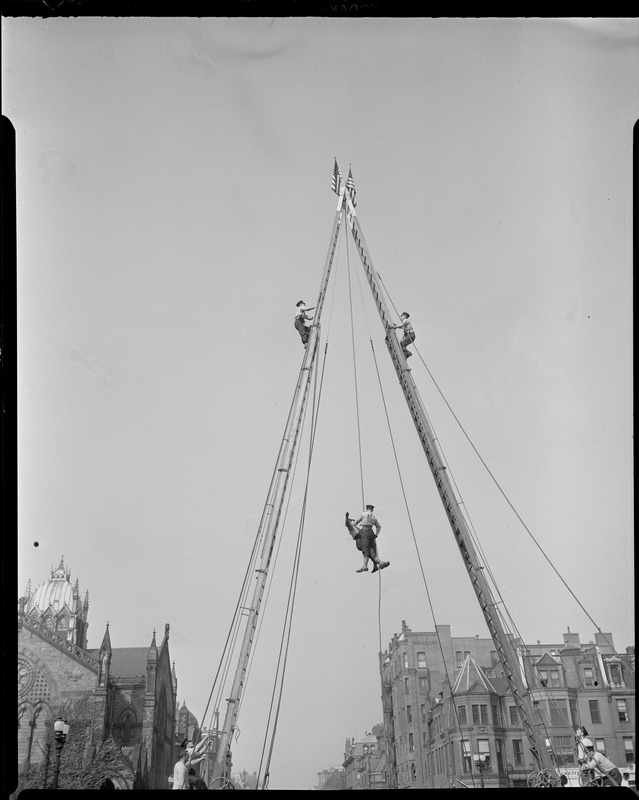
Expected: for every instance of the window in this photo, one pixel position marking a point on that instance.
(424, 738)
(422, 710)
(483, 748)
(555, 679)
(600, 746)
(406, 689)
(629, 747)
(500, 757)
(405, 660)
(459, 658)
(413, 772)
(461, 713)
(493, 658)
(615, 675)
(409, 714)
(573, 713)
(595, 716)
(564, 750)
(495, 712)
(421, 660)
(622, 710)
(480, 714)
(411, 743)
(513, 715)
(559, 713)
(518, 752)
(543, 676)
(589, 676)
(423, 684)
(466, 757)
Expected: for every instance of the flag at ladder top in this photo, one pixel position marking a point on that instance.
(336, 185)
(350, 187)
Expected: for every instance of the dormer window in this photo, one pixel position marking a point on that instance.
(614, 674)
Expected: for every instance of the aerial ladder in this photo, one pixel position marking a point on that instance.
(461, 531)
(272, 515)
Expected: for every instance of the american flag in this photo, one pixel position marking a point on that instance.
(336, 185)
(350, 186)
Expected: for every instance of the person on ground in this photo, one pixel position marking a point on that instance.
(302, 321)
(409, 333)
(180, 772)
(194, 752)
(369, 529)
(602, 765)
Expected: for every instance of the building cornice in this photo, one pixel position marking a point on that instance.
(60, 643)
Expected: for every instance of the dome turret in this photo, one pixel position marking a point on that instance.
(57, 604)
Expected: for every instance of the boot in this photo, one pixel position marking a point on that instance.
(375, 567)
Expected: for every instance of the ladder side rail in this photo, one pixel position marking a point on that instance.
(461, 531)
(275, 504)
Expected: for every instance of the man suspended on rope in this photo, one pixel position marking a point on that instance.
(369, 529)
(409, 333)
(301, 320)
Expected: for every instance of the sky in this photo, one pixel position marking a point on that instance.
(174, 203)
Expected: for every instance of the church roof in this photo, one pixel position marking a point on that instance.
(129, 662)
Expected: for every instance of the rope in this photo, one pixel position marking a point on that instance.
(359, 433)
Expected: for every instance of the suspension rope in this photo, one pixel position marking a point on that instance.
(359, 433)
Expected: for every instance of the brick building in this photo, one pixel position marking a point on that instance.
(365, 761)
(128, 693)
(446, 701)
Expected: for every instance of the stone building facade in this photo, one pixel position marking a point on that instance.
(446, 700)
(130, 691)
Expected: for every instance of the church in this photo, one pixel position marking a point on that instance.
(120, 702)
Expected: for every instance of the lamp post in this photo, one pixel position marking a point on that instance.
(61, 730)
(480, 764)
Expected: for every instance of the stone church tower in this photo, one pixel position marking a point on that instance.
(131, 691)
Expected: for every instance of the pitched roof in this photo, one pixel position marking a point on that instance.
(471, 675)
(129, 662)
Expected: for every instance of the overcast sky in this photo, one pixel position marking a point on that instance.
(174, 204)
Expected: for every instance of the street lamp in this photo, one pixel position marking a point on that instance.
(480, 764)
(61, 730)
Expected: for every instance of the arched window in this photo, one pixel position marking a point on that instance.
(126, 727)
(63, 624)
(38, 738)
(24, 732)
